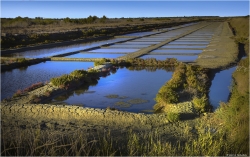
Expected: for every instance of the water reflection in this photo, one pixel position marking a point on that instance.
(94, 55)
(16, 79)
(182, 58)
(61, 49)
(122, 83)
(219, 90)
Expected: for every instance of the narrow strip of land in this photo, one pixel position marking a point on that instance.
(153, 47)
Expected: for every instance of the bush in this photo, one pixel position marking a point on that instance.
(200, 104)
(173, 117)
(78, 73)
(100, 62)
(22, 60)
(62, 81)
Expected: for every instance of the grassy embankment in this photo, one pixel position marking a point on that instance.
(188, 86)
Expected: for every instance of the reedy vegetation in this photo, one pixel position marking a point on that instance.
(189, 79)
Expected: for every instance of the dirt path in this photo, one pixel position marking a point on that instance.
(153, 47)
(221, 51)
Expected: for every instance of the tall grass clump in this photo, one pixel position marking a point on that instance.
(188, 83)
(100, 62)
(173, 117)
(62, 80)
(234, 115)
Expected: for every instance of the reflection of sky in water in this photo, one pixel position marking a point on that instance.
(175, 51)
(219, 90)
(16, 79)
(139, 34)
(178, 57)
(140, 43)
(132, 84)
(62, 49)
(128, 46)
(188, 42)
(183, 46)
(114, 50)
(94, 55)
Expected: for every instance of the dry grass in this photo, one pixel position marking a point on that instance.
(241, 27)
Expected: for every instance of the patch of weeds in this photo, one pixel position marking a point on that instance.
(200, 104)
(100, 62)
(173, 117)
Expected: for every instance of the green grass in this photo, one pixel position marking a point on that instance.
(173, 117)
(192, 80)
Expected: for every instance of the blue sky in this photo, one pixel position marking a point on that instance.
(112, 9)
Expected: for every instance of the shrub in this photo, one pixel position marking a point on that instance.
(100, 62)
(63, 80)
(22, 60)
(173, 117)
(78, 73)
(200, 104)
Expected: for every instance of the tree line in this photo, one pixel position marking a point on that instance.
(26, 21)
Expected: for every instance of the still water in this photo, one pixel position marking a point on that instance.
(219, 90)
(60, 50)
(16, 79)
(131, 91)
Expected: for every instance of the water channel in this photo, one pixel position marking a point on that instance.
(118, 90)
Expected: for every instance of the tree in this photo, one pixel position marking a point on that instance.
(103, 19)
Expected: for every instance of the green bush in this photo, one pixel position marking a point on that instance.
(62, 81)
(22, 60)
(173, 117)
(200, 104)
(78, 73)
(100, 62)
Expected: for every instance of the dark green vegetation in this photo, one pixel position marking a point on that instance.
(149, 62)
(8, 63)
(21, 32)
(188, 83)
(75, 78)
(240, 27)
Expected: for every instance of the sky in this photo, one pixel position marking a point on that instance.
(118, 9)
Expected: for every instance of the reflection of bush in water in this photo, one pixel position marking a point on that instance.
(81, 89)
(24, 68)
(137, 101)
(64, 96)
(80, 104)
(93, 82)
(122, 104)
(112, 96)
(58, 103)
(151, 69)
